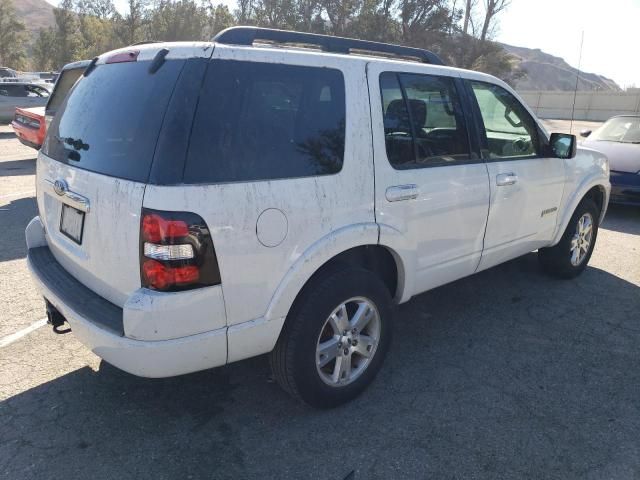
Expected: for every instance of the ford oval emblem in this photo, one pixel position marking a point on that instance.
(60, 187)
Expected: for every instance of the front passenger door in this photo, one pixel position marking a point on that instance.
(526, 184)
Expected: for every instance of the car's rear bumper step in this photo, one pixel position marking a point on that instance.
(72, 293)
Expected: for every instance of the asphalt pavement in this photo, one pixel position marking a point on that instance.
(506, 374)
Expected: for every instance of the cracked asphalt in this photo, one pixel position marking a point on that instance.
(506, 374)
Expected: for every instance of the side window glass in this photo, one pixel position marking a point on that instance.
(40, 92)
(423, 121)
(511, 132)
(11, 91)
(397, 127)
(260, 121)
(439, 128)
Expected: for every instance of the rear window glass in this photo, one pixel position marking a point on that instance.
(109, 123)
(66, 80)
(259, 121)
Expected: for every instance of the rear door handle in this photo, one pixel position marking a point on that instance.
(398, 193)
(503, 179)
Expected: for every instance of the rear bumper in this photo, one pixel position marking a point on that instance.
(98, 324)
(625, 188)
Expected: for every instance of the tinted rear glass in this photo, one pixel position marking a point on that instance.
(259, 121)
(66, 80)
(110, 121)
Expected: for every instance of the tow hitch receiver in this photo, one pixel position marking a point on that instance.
(55, 319)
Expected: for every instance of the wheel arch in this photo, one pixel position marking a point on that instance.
(355, 246)
(595, 190)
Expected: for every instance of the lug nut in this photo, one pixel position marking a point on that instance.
(346, 351)
(339, 345)
(354, 343)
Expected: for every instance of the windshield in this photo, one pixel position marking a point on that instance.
(110, 121)
(619, 129)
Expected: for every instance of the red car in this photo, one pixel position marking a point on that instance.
(30, 126)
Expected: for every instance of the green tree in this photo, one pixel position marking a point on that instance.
(219, 18)
(44, 50)
(129, 28)
(68, 39)
(102, 9)
(12, 37)
(177, 20)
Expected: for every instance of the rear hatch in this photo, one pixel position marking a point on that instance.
(98, 157)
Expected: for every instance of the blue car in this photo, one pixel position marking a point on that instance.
(619, 139)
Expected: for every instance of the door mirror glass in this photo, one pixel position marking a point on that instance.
(563, 145)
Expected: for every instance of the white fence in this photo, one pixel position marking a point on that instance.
(594, 106)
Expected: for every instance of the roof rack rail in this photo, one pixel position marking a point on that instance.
(247, 35)
(145, 42)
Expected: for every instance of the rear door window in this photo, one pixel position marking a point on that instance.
(110, 121)
(260, 121)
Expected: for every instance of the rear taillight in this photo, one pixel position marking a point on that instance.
(29, 122)
(176, 251)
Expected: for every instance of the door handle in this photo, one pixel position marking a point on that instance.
(398, 193)
(503, 179)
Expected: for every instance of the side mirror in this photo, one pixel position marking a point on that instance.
(563, 145)
(585, 133)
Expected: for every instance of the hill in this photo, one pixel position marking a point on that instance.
(35, 14)
(546, 72)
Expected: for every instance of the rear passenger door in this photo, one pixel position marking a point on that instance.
(432, 191)
(526, 184)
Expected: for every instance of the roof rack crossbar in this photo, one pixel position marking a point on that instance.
(247, 35)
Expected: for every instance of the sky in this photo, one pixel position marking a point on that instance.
(611, 33)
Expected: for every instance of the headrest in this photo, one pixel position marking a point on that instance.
(396, 110)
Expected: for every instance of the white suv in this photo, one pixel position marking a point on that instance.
(202, 203)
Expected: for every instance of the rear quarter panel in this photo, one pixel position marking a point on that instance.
(316, 208)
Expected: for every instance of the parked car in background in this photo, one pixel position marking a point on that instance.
(6, 73)
(21, 94)
(619, 139)
(30, 124)
(204, 202)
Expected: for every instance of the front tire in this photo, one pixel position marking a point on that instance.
(335, 338)
(571, 255)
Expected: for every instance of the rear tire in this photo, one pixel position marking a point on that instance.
(335, 338)
(571, 255)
